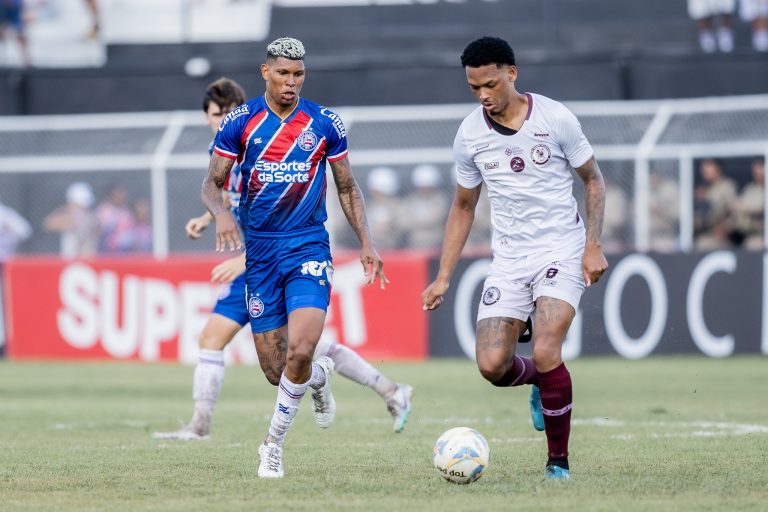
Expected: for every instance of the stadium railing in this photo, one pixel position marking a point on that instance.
(162, 156)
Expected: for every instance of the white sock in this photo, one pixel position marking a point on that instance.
(317, 379)
(760, 40)
(289, 396)
(209, 376)
(707, 41)
(352, 366)
(725, 39)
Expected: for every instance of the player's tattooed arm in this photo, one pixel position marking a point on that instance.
(353, 206)
(457, 228)
(594, 262)
(227, 234)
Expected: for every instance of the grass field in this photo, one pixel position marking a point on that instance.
(657, 434)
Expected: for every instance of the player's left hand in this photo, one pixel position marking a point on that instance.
(593, 264)
(228, 270)
(373, 266)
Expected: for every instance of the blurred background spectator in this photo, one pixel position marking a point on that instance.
(664, 205)
(755, 12)
(12, 21)
(142, 226)
(116, 221)
(14, 229)
(714, 22)
(384, 207)
(76, 222)
(425, 208)
(749, 209)
(713, 206)
(615, 222)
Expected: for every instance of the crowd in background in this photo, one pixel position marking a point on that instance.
(714, 20)
(114, 226)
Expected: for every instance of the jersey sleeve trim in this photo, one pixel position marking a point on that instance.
(337, 157)
(224, 153)
(589, 155)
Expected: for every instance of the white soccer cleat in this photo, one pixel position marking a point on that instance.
(323, 403)
(271, 464)
(399, 406)
(184, 433)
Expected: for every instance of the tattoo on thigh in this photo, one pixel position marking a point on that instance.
(493, 333)
(548, 310)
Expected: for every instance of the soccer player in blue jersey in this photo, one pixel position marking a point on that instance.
(230, 313)
(282, 142)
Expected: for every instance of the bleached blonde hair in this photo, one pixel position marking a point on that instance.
(287, 47)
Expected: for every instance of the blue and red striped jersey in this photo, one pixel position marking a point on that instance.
(282, 162)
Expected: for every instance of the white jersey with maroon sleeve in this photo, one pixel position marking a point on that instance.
(528, 175)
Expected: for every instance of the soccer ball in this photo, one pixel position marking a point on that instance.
(461, 455)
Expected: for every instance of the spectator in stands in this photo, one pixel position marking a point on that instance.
(14, 229)
(12, 17)
(664, 206)
(425, 209)
(76, 222)
(93, 8)
(142, 226)
(713, 207)
(116, 222)
(709, 13)
(756, 13)
(615, 222)
(749, 209)
(384, 207)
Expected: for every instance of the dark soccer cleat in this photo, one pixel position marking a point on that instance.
(527, 334)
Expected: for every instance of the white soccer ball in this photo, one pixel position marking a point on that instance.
(461, 455)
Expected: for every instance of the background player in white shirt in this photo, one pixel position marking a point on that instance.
(523, 147)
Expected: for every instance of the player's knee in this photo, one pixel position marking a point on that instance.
(300, 356)
(491, 370)
(546, 355)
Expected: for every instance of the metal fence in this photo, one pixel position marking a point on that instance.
(648, 151)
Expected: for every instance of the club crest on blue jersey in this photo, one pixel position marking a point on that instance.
(255, 307)
(307, 140)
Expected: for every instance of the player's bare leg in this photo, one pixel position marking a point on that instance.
(271, 347)
(553, 318)
(208, 378)
(349, 364)
(304, 328)
(495, 346)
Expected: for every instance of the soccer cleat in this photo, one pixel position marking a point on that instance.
(271, 463)
(555, 472)
(323, 403)
(537, 416)
(184, 433)
(399, 406)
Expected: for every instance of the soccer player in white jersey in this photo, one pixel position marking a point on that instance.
(230, 313)
(523, 146)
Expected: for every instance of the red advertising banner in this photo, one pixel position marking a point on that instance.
(148, 310)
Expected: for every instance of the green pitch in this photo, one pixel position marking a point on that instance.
(658, 434)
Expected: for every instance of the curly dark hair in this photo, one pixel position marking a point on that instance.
(487, 50)
(223, 92)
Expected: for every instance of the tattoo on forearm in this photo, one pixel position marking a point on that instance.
(351, 200)
(214, 181)
(594, 186)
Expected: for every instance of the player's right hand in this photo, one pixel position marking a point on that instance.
(196, 225)
(432, 297)
(228, 270)
(227, 234)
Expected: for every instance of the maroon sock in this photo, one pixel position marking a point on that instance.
(523, 371)
(556, 402)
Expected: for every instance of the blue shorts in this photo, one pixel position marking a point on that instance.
(231, 302)
(285, 272)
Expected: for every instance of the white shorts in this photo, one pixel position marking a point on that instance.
(513, 284)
